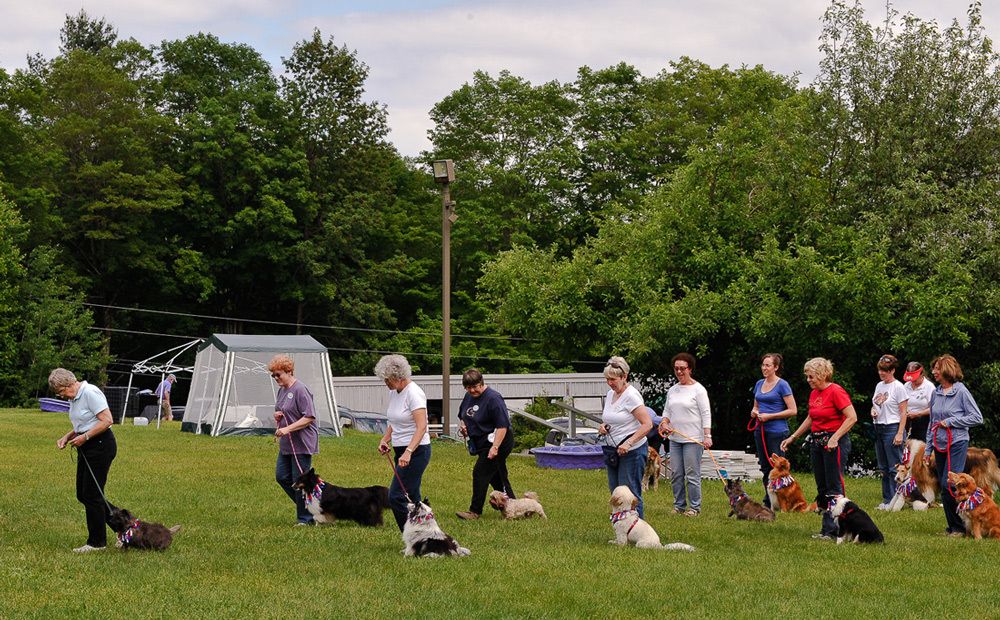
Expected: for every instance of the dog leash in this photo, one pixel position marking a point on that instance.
(723, 474)
(753, 425)
(99, 489)
(395, 472)
(947, 451)
(291, 442)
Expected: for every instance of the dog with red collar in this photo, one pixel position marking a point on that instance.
(854, 523)
(630, 529)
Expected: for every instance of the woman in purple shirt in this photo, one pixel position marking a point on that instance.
(295, 416)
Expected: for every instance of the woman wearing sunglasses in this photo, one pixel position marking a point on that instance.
(295, 416)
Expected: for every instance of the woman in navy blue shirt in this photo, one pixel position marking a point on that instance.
(773, 404)
(484, 420)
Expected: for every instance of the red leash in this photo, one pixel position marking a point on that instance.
(947, 451)
(291, 443)
(753, 425)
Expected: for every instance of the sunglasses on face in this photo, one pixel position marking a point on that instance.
(680, 368)
(275, 375)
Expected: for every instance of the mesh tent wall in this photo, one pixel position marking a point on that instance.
(232, 392)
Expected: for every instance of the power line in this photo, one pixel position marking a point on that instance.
(369, 330)
(379, 352)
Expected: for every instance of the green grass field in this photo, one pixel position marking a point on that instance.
(239, 556)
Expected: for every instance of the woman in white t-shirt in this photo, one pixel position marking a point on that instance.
(889, 416)
(406, 433)
(687, 418)
(918, 400)
(626, 422)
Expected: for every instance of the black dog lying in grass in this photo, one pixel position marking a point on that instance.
(136, 534)
(328, 502)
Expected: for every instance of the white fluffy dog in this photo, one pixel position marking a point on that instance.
(526, 506)
(629, 528)
(424, 538)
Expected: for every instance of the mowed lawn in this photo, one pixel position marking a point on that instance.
(239, 556)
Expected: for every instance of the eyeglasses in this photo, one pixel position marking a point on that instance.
(680, 368)
(615, 365)
(275, 375)
(885, 359)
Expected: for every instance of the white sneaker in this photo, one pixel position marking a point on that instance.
(88, 549)
(882, 507)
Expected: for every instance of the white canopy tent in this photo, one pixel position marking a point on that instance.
(163, 364)
(232, 392)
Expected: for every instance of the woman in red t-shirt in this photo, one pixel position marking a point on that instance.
(831, 416)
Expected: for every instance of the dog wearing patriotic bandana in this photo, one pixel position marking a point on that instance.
(908, 492)
(423, 536)
(629, 528)
(328, 502)
(783, 490)
(855, 524)
(977, 509)
(136, 534)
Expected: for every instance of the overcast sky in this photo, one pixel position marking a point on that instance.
(419, 52)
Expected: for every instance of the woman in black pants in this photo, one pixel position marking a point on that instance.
(831, 416)
(92, 437)
(483, 417)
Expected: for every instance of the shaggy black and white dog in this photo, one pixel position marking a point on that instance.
(328, 502)
(855, 524)
(424, 538)
(134, 533)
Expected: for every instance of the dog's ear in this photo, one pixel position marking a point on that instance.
(312, 470)
(635, 502)
(427, 501)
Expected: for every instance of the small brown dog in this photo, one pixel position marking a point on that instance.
(745, 508)
(526, 506)
(651, 474)
(785, 493)
(136, 534)
(976, 507)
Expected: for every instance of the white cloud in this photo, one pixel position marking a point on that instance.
(417, 57)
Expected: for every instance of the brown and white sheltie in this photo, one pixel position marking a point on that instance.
(783, 490)
(976, 507)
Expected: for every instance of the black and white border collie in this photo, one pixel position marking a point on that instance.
(855, 524)
(424, 538)
(328, 502)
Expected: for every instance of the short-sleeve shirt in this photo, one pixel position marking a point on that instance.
(84, 407)
(618, 415)
(296, 402)
(826, 408)
(773, 401)
(483, 415)
(919, 399)
(163, 389)
(400, 413)
(891, 395)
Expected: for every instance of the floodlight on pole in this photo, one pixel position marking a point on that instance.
(444, 173)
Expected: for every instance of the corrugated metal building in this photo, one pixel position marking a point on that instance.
(584, 390)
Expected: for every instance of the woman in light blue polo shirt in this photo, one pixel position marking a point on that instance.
(92, 437)
(773, 404)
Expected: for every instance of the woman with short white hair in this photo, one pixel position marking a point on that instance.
(406, 432)
(626, 422)
(92, 437)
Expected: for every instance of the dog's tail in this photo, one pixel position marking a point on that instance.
(992, 470)
(678, 547)
(530, 495)
(175, 529)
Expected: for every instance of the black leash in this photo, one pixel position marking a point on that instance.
(99, 489)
